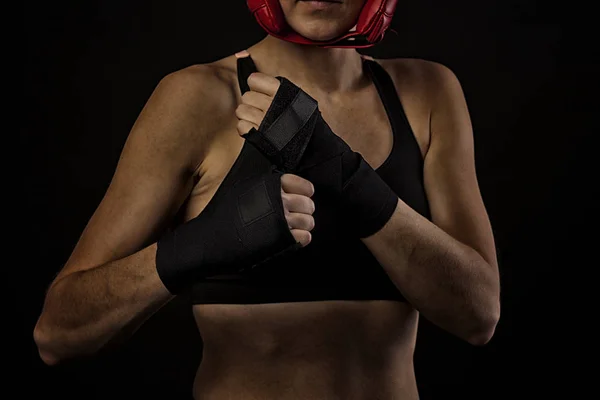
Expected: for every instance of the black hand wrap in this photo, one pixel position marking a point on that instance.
(295, 137)
(241, 227)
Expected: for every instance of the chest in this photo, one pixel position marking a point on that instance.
(361, 122)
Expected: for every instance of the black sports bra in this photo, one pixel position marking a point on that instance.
(332, 266)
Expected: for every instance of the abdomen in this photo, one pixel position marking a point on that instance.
(318, 350)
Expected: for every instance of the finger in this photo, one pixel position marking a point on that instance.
(300, 221)
(291, 183)
(263, 83)
(301, 236)
(242, 54)
(297, 203)
(244, 126)
(249, 113)
(258, 100)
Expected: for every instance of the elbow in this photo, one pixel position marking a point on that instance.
(44, 344)
(485, 313)
(482, 337)
(56, 345)
(49, 359)
(484, 326)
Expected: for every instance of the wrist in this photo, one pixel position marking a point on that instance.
(366, 200)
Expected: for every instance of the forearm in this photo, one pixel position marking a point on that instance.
(87, 309)
(450, 283)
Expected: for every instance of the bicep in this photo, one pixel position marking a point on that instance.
(451, 184)
(152, 179)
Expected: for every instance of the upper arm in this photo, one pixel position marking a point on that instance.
(450, 178)
(154, 174)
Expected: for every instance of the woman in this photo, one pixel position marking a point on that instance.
(301, 288)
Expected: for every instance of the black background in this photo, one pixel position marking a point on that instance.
(527, 71)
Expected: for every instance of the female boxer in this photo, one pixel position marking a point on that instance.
(326, 201)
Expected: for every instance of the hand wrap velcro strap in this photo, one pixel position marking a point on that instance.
(241, 227)
(296, 138)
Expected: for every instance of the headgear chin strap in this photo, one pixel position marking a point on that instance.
(374, 19)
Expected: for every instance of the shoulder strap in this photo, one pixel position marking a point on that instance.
(245, 67)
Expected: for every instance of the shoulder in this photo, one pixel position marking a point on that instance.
(418, 84)
(188, 109)
(422, 71)
(450, 130)
(434, 82)
(436, 89)
(426, 77)
(203, 89)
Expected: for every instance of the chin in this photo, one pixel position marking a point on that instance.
(320, 31)
(324, 24)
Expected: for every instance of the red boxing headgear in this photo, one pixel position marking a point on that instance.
(375, 17)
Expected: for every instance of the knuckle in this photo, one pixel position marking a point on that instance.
(302, 235)
(305, 203)
(310, 223)
(310, 205)
(292, 222)
(302, 203)
(307, 238)
(252, 78)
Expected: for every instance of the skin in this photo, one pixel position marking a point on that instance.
(178, 152)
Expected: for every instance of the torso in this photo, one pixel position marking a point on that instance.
(323, 349)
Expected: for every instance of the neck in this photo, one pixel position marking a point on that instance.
(330, 70)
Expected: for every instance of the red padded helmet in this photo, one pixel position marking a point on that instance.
(374, 19)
